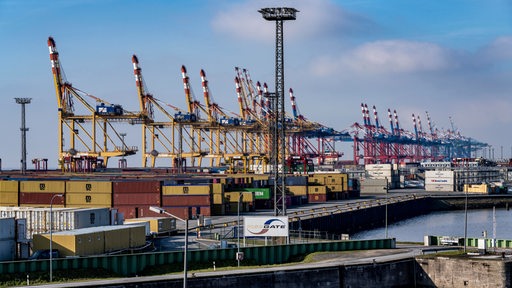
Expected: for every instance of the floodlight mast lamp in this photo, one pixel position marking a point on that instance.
(185, 249)
(279, 14)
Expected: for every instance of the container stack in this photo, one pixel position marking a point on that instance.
(297, 188)
(88, 194)
(219, 203)
(187, 201)
(133, 198)
(374, 186)
(157, 225)
(439, 181)
(317, 194)
(383, 171)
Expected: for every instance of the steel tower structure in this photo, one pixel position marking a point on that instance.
(279, 15)
(24, 129)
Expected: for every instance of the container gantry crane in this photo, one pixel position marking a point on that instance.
(83, 148)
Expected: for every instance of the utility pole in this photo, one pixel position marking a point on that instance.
(279, 15)
(24, 129)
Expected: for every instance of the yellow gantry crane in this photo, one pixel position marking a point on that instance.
(86, 139)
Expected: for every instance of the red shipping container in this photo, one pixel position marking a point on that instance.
(182, 212)
(40, 199)
(136, 187)
(130, 211)
(151, 199)
(317, 198)
(186, 200)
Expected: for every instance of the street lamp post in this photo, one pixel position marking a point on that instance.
(387, 191)
(162, 211)
(238, 254)
(51, 235)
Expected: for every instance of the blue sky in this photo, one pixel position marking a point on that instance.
(451, 58)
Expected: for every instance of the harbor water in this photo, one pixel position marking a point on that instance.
(447, 223)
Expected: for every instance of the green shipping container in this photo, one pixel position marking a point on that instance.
(259, 193)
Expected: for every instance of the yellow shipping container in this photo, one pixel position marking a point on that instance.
(316, 179)
(156, 224)
(186, 190)
(9, 198)
(335, 188)
(320, 189)
(88, 200)
(217, 188)
(88, 187)
(232, 197)
(81, 242)
(480, 188)
(42, 186)
(137, 236)
(218, 198)
(9, 186)
(116, 238)
(298, 190)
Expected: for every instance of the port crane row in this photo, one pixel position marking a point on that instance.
(209, 133)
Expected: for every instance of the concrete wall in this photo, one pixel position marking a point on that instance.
(460, 272)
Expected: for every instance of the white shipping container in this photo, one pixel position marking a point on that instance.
(7, 229)
(439, 174)
(368, 167)
(380, 173)
(439, 187)
(38, 219)
(442, 181)
(7, 250)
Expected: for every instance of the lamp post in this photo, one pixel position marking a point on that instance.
(466, 207)
(238, 254)
(162, 211)
(387, 191)
(51, 235)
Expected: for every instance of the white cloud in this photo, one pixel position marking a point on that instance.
(398, 56)
(499, 49)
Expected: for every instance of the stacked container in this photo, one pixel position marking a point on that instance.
(88, 194)
(439, 181)
(219, 205)
(317, 193)
(133, 198)
(383, 171)
(39, 193)
(187, 201)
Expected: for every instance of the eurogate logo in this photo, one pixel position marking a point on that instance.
(265, 226)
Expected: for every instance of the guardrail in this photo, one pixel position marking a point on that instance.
(131, 264)
(470, 242)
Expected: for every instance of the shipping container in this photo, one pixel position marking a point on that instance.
(8, 198)
(298, 190)
(40, 199)
(80, 242)
(440, 187)
(38, 219)
(7, 229)
(335, 188)
(477, 188)
(88, 200)
(9, 186)
(368, 167)
(260, 193)
(296, 180)
(186, 190)
(218, 198)
(317, 189)
(116, 237)
(317, 198)
(130, 211)
(137, 236)
(157, 225)
(58, 187)
(183, 212)
(137, 187)
(186, 200)
(246, 196)
(88, 187)
(217, 188)
(151, 199)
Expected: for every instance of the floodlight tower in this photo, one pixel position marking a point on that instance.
(279, 15)
(24, 129)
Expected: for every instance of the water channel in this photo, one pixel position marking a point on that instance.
(446, 223)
